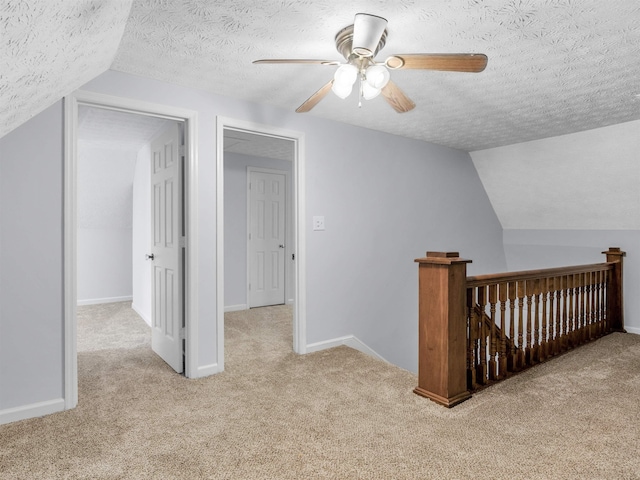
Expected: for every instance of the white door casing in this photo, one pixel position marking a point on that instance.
(166, 247)
(266, 243)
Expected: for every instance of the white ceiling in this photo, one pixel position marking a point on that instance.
(555, 66)
(114, 130)
(258, 145)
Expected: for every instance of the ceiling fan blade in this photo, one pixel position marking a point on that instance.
(313, 100)
(397, 99)
(297, 60)
(449, 62)
(367, 32)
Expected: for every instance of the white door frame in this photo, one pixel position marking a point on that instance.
(287, 231)
(190, 119)
(299, 216)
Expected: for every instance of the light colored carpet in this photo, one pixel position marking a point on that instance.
(332, 414)
(110, 325)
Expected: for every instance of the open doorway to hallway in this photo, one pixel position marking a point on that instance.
(116, 239)
(272, 161)
(180, 160)
(258, 229)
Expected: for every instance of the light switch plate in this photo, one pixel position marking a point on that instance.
(318, 223)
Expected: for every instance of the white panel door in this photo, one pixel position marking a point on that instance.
(266, 238)
(166, 232)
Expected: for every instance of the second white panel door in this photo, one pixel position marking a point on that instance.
(266, 238)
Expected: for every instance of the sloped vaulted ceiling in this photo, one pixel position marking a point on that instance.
(49, 48)
(555, 66)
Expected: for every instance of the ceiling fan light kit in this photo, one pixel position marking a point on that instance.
(359, 44)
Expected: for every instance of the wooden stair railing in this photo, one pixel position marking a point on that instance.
(500, 342)
(475, 331)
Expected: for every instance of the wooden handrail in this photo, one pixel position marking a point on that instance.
(474, 331)
(480, 280)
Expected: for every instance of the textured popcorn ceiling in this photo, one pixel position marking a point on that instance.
(555, 66)
(258, 145)
(104, 128)
(49, 48)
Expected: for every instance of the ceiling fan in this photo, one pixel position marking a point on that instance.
(359, 43)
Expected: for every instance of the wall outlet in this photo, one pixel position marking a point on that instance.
(318, 223)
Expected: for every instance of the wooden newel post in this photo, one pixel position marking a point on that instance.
(615, 303)
(442, 344)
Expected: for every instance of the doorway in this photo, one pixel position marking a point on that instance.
(241, 134)
(131, 164)
(188, 241)
(113, 207)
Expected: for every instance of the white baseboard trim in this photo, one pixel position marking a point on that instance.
(139, 312)
(236, 308)
(97, 301)
(634, 330)
(207, 370)
(348, 340)
(33, 410)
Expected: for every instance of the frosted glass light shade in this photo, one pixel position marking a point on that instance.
(377, 76)
(341, 90)
(343, 80)
(369, 92)
(345, 75)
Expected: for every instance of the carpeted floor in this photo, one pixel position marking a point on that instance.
(110, 326)
(332, 414)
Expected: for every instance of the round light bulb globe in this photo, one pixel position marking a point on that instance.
(377, 76)
(369, 92)
(341, 90)
(346, 75)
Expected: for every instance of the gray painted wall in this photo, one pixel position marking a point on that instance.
(235, 225)
(386, 200)
(31, 321)
(105, 204)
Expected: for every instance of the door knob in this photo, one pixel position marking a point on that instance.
(150, 256)
(281, 246)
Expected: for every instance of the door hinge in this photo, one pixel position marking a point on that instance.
(293, 256)
(182, 334)
(183, 242)
(182, 150)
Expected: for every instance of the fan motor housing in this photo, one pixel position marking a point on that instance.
(344, 42)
